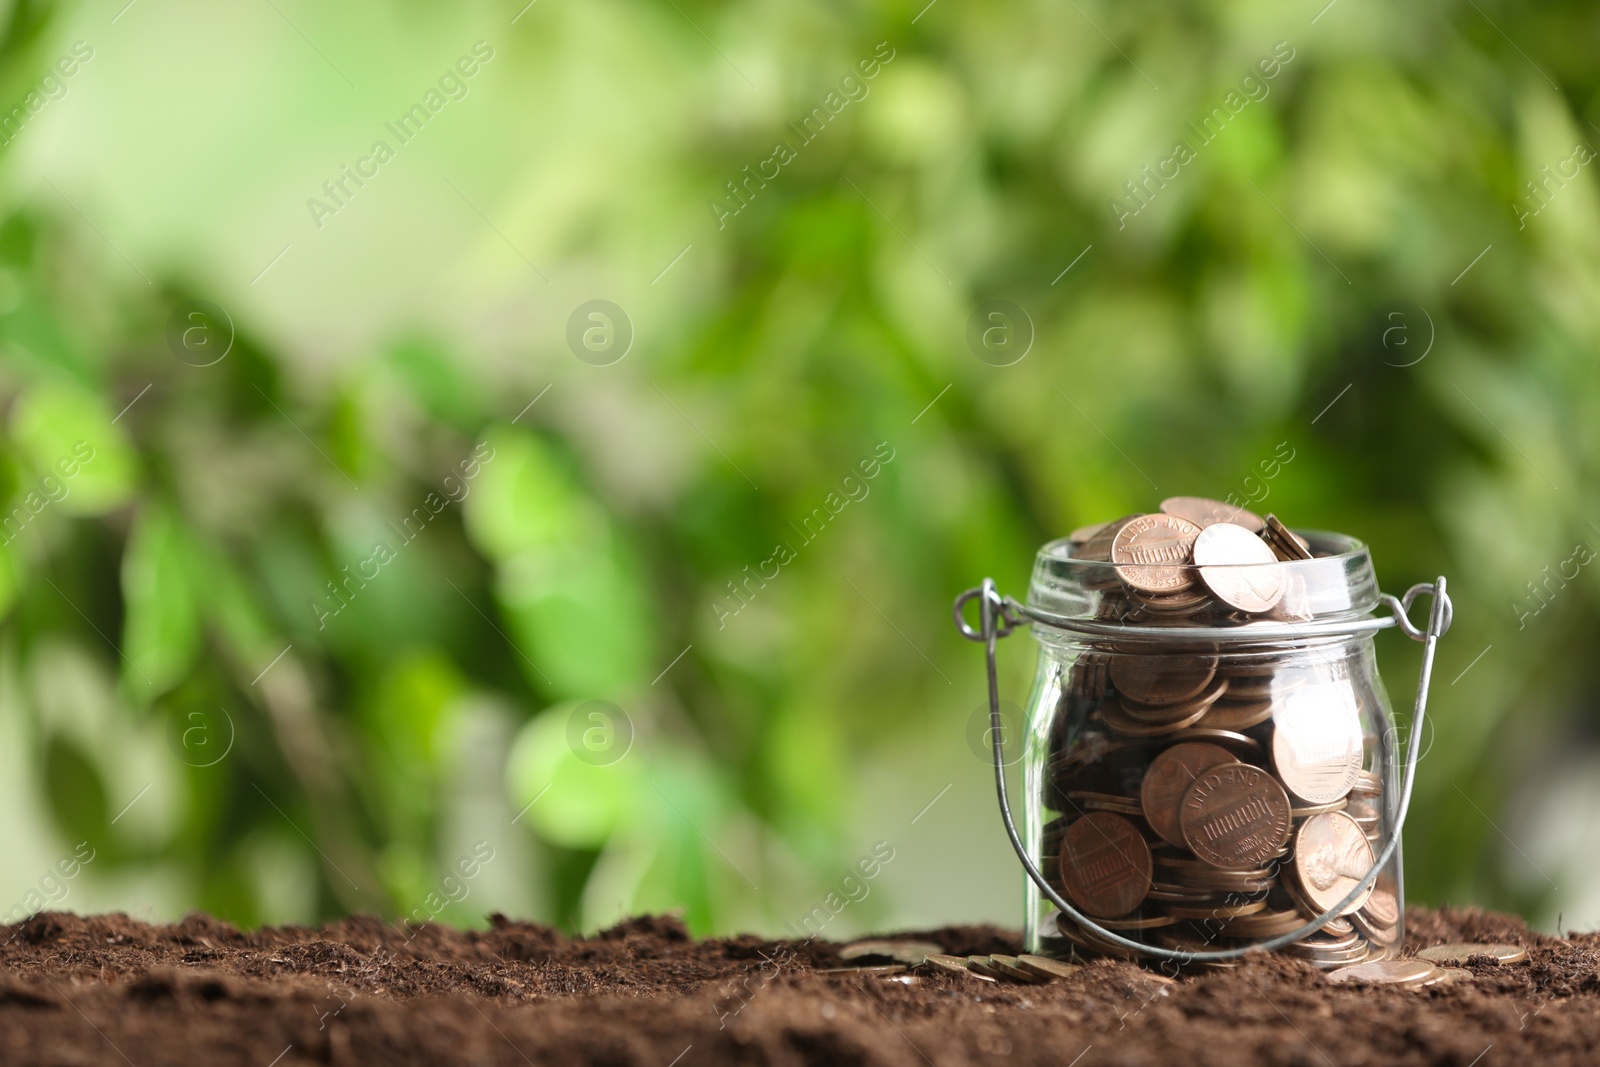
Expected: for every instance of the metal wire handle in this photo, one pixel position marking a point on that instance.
(1000, 616)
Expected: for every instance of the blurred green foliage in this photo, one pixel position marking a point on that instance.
(308, 621)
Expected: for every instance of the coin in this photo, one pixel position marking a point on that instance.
(1331, 856)
(1090, 801)
(1242, 742)
(1098, 545)
(1168, 778)
(1169, 713)
(908, 952)
(1123, 723)
(1162, 679)
(948, 964)
(1220, 911)
(983, 968)
(1285, 543)
(893, 968)
(1238, 567)
(1316, 742)
(1385, 972)
(1459, 953)
(1085, 533)
(1237, 715)
(1318, 809)
(1045, 967)
(1448, 976)
(1203, 512)
(1105, 865)
(1147, 922)
(1235, 816)
(1008, 966)
(1081, 938)
(1265, 924)
(1152, 553)
(1382, 907)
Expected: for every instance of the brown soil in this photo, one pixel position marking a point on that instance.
(113, 990)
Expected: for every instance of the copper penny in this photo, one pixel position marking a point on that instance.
(1152, 553)
(1316, 742)
(1235, 816)
(1084, 533)
(1123, 723)
(1105, 865)
(1047, 968)
(1382, 907)
(1238, 567)
(1237, 715)
(1097, 546)
(1204, 512)
(1286, 544)
(1386, 972)
(1168, 778)
(1331, 856)
(1162, 679)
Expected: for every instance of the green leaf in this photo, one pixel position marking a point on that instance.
(583, 617)
(575, 803)
(8, 581)
(523, 499)
(161, 628)
(78, 456)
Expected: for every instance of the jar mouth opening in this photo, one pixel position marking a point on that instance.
(1327, 547)
(1338, 582)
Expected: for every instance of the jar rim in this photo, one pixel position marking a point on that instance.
(1339, 580)
(1333, 546)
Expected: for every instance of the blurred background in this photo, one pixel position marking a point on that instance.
(498, 457)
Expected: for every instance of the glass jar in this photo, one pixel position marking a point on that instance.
(1198, 780)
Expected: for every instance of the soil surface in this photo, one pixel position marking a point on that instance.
(112, 990)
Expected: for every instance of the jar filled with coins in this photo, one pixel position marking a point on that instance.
(1210, 763)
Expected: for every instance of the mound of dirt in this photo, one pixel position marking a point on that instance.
(109, 989)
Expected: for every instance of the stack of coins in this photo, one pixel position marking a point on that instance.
(1203, 798)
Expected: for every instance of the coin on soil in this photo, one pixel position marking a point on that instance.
(1009, 966)
(1047, 968)
(907, 952)
(983, 968)
(1168, 778)
(1238, 567)
(1235, 816)
(1105, 865)
(949, 964)
(1331, 856)
(1152, 553)
(1458, 953)
(1204, 512)
(1385, 972)
(1316, 742)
